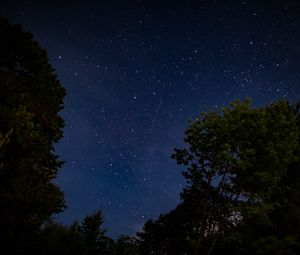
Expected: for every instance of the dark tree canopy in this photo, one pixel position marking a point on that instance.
(30, 99)
(241, 197)
(85, 238)
(93, 234)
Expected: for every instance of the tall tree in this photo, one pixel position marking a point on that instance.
(272, 226)
(235, 162)
(93, 235)
(30, 99)
(242, 197)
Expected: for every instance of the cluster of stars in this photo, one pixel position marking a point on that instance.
(135, 76)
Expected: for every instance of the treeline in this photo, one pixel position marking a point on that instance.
(87, 237)
(242, 170)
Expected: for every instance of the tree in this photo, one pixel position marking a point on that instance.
(30, 99)
(59, 239)
(235, 164)
(242, 197)
(93, 235)
(274, 227)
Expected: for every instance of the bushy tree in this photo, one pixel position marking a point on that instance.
(235, 162)
(30, 99)
(239, 164)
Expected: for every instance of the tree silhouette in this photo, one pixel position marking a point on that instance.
(93, 235)
(235, 162)
(240, 193)
(30, 99)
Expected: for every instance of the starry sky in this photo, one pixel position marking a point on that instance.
(136, 72)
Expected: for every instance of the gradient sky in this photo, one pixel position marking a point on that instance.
(135, 73)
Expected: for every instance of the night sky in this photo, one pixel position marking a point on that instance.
(136, 73)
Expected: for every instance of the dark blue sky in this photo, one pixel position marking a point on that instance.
(135, 73)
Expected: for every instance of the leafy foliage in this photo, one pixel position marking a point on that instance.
(238, 166)
(30, 99)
